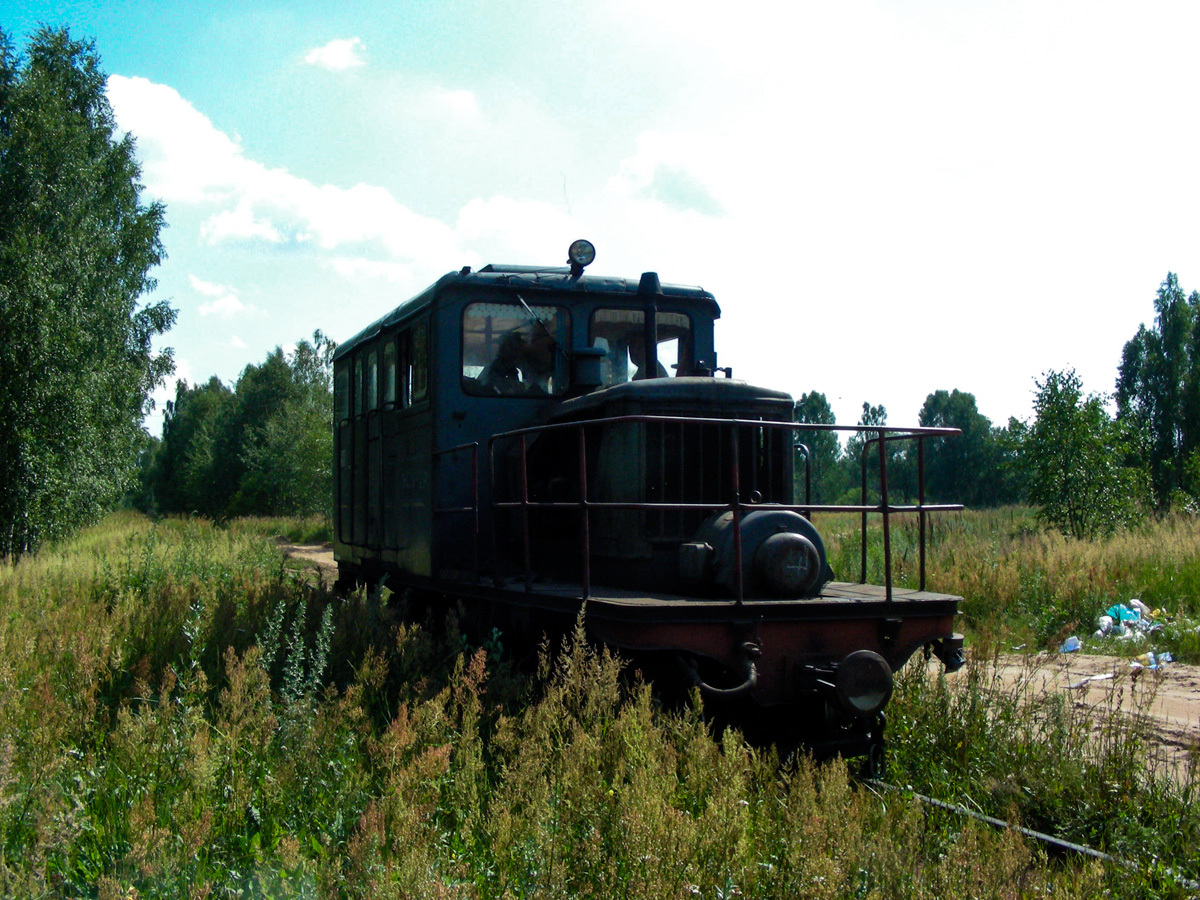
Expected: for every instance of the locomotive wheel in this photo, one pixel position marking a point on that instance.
(350, 579)
(346, 582)
(876, 762)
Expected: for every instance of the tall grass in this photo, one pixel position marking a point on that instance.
(1032, 585)
(997, 741)
(297, 529)
(181, 717)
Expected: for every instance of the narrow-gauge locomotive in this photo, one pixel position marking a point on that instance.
(537, 441)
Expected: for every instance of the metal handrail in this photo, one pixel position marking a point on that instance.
(473, 446)
(892, 432)
(803, 448)
(920, 435)
(883, 435)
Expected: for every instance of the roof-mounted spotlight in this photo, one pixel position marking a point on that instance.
(580, 254)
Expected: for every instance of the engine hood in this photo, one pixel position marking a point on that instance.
(708, 397)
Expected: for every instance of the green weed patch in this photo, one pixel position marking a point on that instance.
(183, 717)
(1027, 585)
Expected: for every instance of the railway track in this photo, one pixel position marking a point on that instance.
(1056, 844)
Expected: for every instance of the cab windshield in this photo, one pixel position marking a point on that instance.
(621, 334)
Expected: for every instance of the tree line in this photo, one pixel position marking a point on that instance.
(976, 468)
(76, 247)
(263, 447)
(1087, 470)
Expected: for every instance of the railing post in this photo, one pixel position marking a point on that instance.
(494, 516)
(883, 505)
(475, 504)
(737, 517)
(525, 514)
(586, 514)
(862, 501)
(803, 448)
(921, 514)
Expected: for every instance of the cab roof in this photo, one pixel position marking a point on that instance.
(525, 278)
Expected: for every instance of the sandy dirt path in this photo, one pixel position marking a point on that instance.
(317, 557)
(1169, 696)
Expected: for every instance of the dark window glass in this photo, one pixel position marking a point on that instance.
(420, 360)
(341, 391)
(621, 334)
(372, 385)
(389, 373)
(511, 351)
(404, 369)
(358, 386)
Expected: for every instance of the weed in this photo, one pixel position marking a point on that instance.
(1024, 584)
(179, 717)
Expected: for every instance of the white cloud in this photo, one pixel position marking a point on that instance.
(681, 171)
(207, 288)
(188, 160)
(238, 223)
(515, 229)
(224, 300)
(184, 158)
(462, 105)
(338, 55)
(225, 306)
(237, 343)
(361, 269)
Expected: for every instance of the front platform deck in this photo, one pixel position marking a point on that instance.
(837, 600)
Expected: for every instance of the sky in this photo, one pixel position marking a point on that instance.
(887, 198)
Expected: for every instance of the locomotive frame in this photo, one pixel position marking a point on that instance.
(492, 448)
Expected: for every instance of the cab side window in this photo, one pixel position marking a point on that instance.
(511, 350)
(389, 374)
(358, 385)
(404, 370)
(371, 388)
(420, 360)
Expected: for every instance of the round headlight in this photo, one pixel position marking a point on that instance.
(581, 253)
(864, 682)
(788, 564)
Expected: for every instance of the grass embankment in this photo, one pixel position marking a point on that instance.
(1022, 584)
(168, 731)
(307, 530)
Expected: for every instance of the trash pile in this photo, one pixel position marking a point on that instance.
(1127, 622)
(1132, 621)
(1151, 660)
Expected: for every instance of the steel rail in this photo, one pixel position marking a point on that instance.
(1060, 844)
